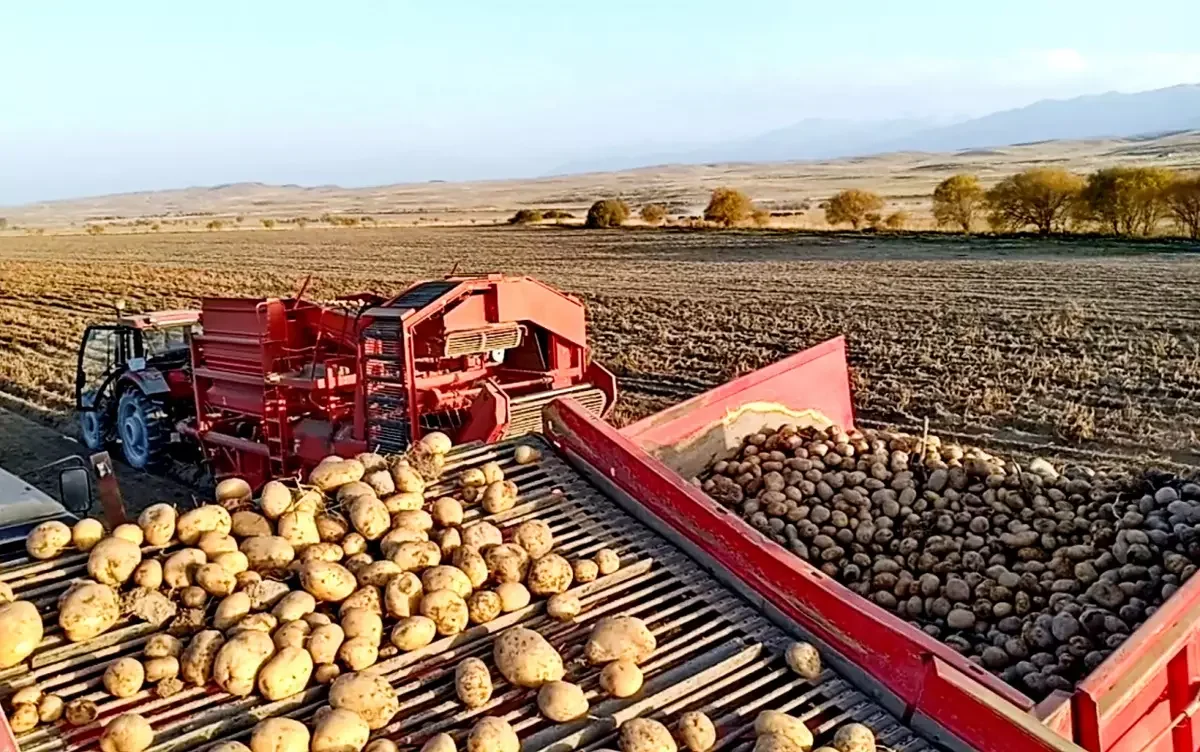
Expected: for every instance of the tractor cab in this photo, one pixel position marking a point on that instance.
(133, 382)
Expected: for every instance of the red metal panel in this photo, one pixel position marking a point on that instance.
(525, 299)
(931, 678)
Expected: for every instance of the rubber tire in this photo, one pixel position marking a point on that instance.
(144, 429)
(93, 428)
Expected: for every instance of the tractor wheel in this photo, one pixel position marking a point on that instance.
(92, 428)
(144, 430)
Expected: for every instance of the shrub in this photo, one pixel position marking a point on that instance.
(1042, 197)
(214, 224)
(760, 217)
(94, 229)
(556, 214)
(654, 214)
(608, 212)
(268, 223)
(525, 216)
(728, 206)
(1127, 200)
(852, 206)
(958, 201)
(239, 219)
(897, 220)
(1183, 202)
(302, 222)
(155, 227)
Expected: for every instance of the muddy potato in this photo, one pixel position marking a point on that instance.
(562, 701)
(340, 731)
(499, 496)
(480, 535)
(357, 562)
(377, 573)
(607, 561)
(549, 575)
(408, 480)
(472, 564)
(47, 540)
(535, 537)
(157, 522)
(645, 735)
(196, 664)
(854, 737)
(473, 682)
(265, 594)
(322, 552)
(262, 622)
(112, 561)
(413, 632)
(81, 712)
(449, 540)
(514, 596)
(239, 660)
(279, 735)
(162, 645)
(354, 544)
(525, 658)
(402, 595)
(415, 556)
(24, 717)
(447, 609)
(193, 596)
(124, 677)
(493, 735)
(617, 637)
(526, 455)
(158, 669)
(327, 581)
(180, 567)
(507, 562)
(215, 579)
(247, 524)
(330, 475)
(87, 533)
(447, 512)
(563, 606)
(196, 522)
(50, 708)
(483, 606)
(621, 678)
(371, 461)
(214, 542)
(361, 622)
(368, 694)
(285, 674)
(85, 611)
(299, 529)
(324, 642)
(789, 727)
(267, 553)
(352, 491)
(292, 634)
(697, 732)
(294, 606)
(803, 659)
(445, 577)
(584, 570)
(381, 482)
(366, 598)
(404, 502)
(126, 733)
(370, 517)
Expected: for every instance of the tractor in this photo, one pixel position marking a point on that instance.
(133, 384)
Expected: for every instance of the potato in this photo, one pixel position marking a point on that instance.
(354, 544)
(435, 442)
(180, 567)
(24, 717)
(621, 678)
(407, 480)
(445, 577)
(493, 735)
(124, 677)
(854, 737)
(308, 501)
(126, 733)
(413, 632)
(196, 522)
(330, 475)
(279, 735)
(617, 637)
(369, 695)
(804, 660)
(500, 496)
(775, 743)
(563, 606)
(317, 619)
(233, 562)
(322, 552)
(377, 573)
(112, 561)
(472, 477)
(697, 732)
(514, 596)
(448, 610)
(324, 642)
(47, 540)
(404, 502)
(549, 575)
(326, 673)
(162, 645)
(607, 561)
(294, 606)
(645, 735)
(158, 669)
(584, 570)
(525, 659)
(472, 564)
(292, 634)
(263, 622)
(196, 665)
(793, 729)
(27, 696)
(285, 674)
(415, 556)
(562, 701)
(299, 529)
(402, 595)
(352, 491)
(369, 517)
(364, 598)
(215, 579)
(449, 540)
(193, 596)
(507, 562)
(331, 527)
(148, 574)
(372, 461)
(22, 629)
(87, 533)
(129, 532)
(483, 606)
(229, 747)
(239, 660)
(81, 712)
(361, 622)
(215, 542)
(381, 482)
(439, 743)
(340, 731)
(247, 524)
(447, 512)
(327, 581)
(480, 535)
(526, 455)
(233, 489)
(535, 537)
(415, 519)
(266, 594)
(50, 708)
(86, 611)
(473, 682)
(492, 472)
(275, 499)
(247, 580)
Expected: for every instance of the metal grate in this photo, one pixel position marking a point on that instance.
(499, 337)
(715, 653)
(525, 412)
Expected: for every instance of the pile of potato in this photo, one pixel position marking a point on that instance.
(1036, 574)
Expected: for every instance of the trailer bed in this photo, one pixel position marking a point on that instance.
(716, 653)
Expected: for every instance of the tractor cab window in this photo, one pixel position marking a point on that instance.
(102, 351)
(166, 342)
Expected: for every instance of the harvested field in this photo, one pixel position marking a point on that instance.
(1082, 349)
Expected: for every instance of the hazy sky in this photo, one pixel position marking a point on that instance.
(100, 97)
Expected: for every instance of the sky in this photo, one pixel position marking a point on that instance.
(123, 96)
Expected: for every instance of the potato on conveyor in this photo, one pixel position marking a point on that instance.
(129, 532)
(87, 533)
(196, 522)
(48, 540)
(21, 626)
(112, 561)
(367, 694)
(439, 743)
(196, 664)
(126, 733)
(617, 637)
(697, 732)
(88, 610)
(340, 731)
(563, 606)
(803, 659)
(526, 659)
(645, 735)
(239, 660)
(562, 701)
(770, 722)
(285, 674)
(621, 678)
(23, 717)
(473, 682)
(854, 737)
(549, 575)
(279, 735)
(327, 581)
(535, 537)
(493, 735)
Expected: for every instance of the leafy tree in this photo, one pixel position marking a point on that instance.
(608, 212)
(653, 214)
(958, 201)
(1042, 197)
(214, 224)
(1127, 200)
(268, 223)
(852, 206)
(728, 206)
(94, 229)
(1183, 202)
(897, 220)
(760, 217)
(525, 216)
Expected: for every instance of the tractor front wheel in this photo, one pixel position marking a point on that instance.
(143, 427)
(92, 428)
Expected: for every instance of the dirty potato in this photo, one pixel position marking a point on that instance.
(617, 637)
(126, 733)
(196, 522)
(112, 561)
(645, 735)
(535, 537)
(86, 611)
(124, 677)
(327, 581)
(697, 732)
(239, 660)
(483, 606)
(447, 609)
(480, 535)
(562, 701)
(402, 595)
(413, 632)
(196, 664)
(473, 682)
(493, 735)
(549, 575)
(525, 658)
(47, 540)
(324, 643)
(367, 694)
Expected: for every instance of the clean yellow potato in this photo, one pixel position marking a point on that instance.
(196, 522)
(803, 659)
(285, 674)
(129, 532)
(233, 562)
(327, 581)
(148, 574)
(493, 735)
(158, 669)
(445, 577)
(112, 561)
(472, 564)
(447, 512)
(407, 480)
(215, 579)
(526, 455)
(507, 562)
(88, 610)
(340, 731)
(326, 673)
(370, 517)
(299, 529)
(607, 561)
(398, 535)
(324, 642)
(435, 442)
(402, 595)
(279, 735)
(621, 678)
(274, 500)
(365, 597)
(232, 609)
(294, 606)
(378, 573)
(27, 696)
(23, 717)
(525, 659)
(267, 553)
(473, 682)
(124, 677)
(163, 645)
(292, 634)
(233, 489)
(492, 472)
(789, 727)
(88, 532)
(413, 632)
(48, 540)
(369, 695)
(196, 665)
(499, 496)
(362, 622)
(330, 475)
(483, 606)
(247, 524)
(697, 732)
(563, 606)
(514, 596)
(447, 609)
(50, 708)
(617, 637)
(415, 556)
(645, 735)
(549, 575)
(180, 567)
(562, 701)
(352, 491)
(22, 629)
(480, 535)
(239, 660)
(126, 733)
(414, 519)
(449, 540)
(442, 742)
(535, 537)
(215, 542)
